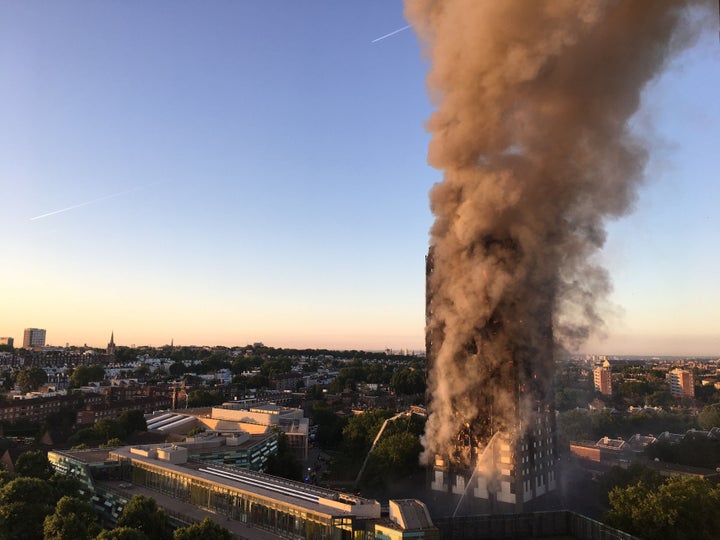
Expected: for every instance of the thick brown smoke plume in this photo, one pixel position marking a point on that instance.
(531, 130)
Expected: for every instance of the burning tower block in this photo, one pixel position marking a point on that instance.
(502, 452)
(531, 130)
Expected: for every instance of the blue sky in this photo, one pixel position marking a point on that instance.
(256, 171)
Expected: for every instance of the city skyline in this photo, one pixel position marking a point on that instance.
(223, 175)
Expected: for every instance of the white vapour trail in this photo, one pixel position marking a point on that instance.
(93, 201)
(391, 33)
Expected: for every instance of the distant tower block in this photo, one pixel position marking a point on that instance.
(602, 379)
(682, 383)
(34, 338)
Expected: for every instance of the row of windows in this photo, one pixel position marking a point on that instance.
(238, 505)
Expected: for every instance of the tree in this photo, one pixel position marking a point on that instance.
(113, 442)
(29, 379)
(618, 477)
(64, 485)
(177, 368)
(408, 381)
(122, 533)
(284, 463)
(73, 519)
(205, 530)
(108, 429)
(395, 456)
(24, 503)
(361, 429)
(682, 507)
(82, 375)
(330, 425)
(143, 513)
(132, 421)
(35, 464)
(709, 417)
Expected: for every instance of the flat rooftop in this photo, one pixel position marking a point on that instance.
(304, 497)
(187, 512)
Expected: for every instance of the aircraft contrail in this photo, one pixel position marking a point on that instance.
(93, 201)
(391, 33)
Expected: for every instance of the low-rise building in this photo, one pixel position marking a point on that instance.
(250, 504)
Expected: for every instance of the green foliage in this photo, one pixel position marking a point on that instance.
(693, 451)
(660, 398)
(578, 425)
(361, 429)
(5, 477)
(125, 355)
(35, 464)
(358, 372)
(275, 366)
(109, 429)
(106, 429)
(82, 375)
(395, 456)
(408, 381)
(681, 508)
(285, 463)
(143, 513)
(24, 503)
(709, 417)
(113, 442)
(204, 398)
(122, 533)
(177, 368)
(61, 422)
(73, 519)
(132, 421)
(205, 530)
(84, 436)
(29, 379)
(619, 477)
(64, 485)
(330, 425)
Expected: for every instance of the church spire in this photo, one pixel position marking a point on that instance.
(111, 346)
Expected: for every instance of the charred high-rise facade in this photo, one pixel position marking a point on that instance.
(503, 453)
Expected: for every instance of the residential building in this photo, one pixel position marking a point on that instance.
(7, 341)
(34, 338)
(503, 457)
(602, 377)
(681, 383)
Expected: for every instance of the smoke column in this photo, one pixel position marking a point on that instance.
(531, 130)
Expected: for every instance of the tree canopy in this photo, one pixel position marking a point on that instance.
(205, 530)
(709, 417)
(35, 464)
(122, 533)
(24, 503)
(73, 519)
(681, 508)
(82, 375)
(29, 379)
(143, 513)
